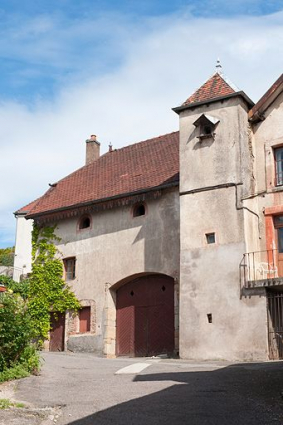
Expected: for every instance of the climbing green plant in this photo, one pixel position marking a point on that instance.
(48, 291)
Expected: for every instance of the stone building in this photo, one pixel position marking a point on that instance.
(175, 244)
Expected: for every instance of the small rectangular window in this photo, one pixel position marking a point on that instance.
(84, 317)
(278, 155)
(210, 238)
(70, 268)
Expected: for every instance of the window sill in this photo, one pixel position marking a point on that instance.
(275, 189)
(206, 136)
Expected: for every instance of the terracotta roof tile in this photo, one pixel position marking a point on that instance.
(214, 87)
(27, 208)
(141, 166)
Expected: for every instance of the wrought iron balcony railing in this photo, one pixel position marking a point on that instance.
(261, 268)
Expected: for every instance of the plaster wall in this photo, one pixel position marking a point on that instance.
(116, 246)
(267, 135)
(209, 273)
(225, 158)
(210, 284)
(22, 261)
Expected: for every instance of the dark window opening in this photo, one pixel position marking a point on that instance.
(207, 130)
(280, 239)
(139, 210)
(84, 318)
(278, 224)
(132, 293)
(278, 154)
(84, 223)
(210, 238)
(209, 318)
(70, 268)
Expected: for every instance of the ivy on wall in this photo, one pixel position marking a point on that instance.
(48, 291)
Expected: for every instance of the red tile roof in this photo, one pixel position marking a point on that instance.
(27, 208)
(214, 87)
(153, 163)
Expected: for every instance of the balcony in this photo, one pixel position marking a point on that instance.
(262, 269)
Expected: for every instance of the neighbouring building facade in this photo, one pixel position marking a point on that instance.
(175, 244)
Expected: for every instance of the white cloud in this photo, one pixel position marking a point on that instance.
(164, 61)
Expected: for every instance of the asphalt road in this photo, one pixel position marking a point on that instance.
(87, 390)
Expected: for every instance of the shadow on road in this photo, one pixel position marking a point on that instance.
(242, 394)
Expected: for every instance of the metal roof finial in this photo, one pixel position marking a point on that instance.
(218, 66)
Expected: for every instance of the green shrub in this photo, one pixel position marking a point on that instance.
(16, 372)
(7, 256)
(15, 331)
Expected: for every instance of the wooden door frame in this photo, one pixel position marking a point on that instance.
(270, 229)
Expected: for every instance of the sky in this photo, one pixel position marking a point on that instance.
(72, 68)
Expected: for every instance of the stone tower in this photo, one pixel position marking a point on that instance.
(214, 175)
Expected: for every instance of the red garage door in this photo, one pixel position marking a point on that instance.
(145, 316)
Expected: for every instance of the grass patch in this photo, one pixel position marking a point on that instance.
(19, 405)
(5, 403)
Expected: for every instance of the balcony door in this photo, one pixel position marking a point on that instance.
(278, 224)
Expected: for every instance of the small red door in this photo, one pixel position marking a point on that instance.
(84, 318)
(145, 317)
(57, 331)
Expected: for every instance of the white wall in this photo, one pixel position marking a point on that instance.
(22, 262)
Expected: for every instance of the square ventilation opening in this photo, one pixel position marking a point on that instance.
(210, 238)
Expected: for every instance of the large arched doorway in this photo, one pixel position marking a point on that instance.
(145, 316)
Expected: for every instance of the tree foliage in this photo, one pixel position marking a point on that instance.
(7, 256)
(47, 291)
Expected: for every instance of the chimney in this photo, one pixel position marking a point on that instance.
(92, 149)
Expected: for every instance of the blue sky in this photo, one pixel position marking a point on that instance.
(35, 64)
(73, 68)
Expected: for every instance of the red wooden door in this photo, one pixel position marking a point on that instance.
(57, 331)
(145, 316)
(141, 332)
(84, 318)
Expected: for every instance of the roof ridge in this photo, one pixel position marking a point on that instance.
(110, 153)
(143, 141)
(229, 82)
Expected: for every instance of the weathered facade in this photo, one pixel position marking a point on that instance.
(174, 244)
